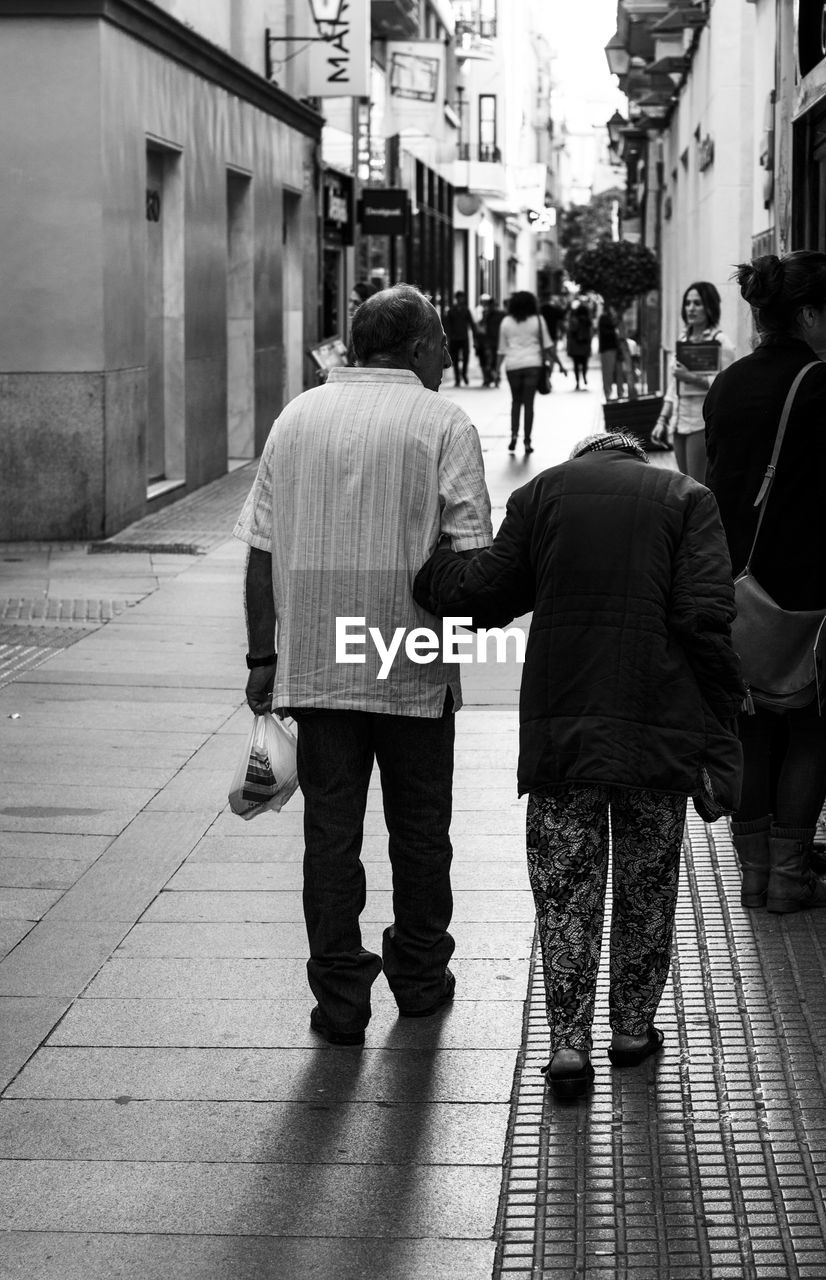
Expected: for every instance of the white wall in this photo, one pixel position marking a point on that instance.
(711, 226)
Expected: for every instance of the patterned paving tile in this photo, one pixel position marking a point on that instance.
(709, 1161)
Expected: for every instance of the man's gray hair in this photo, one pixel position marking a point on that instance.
(390, 321)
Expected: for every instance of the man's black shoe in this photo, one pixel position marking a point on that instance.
(320, 1024)
(445, 998)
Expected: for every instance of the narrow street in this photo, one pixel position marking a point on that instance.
(167, 1111)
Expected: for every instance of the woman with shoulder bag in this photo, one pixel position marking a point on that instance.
(680, 423)
(524, 347)
(784, 781)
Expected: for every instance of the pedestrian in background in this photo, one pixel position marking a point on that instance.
(629, 690)
(681, 419)
(357, 480)
(784, 781)
(524, 346)
(360, 290)
(460, 327)
(553, 315)
(492, 317)
(580, 336)
(609, 359)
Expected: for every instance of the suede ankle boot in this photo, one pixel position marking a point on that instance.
(793, 886)
(751, 844)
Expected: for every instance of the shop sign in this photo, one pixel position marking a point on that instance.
(338, 205)
(415, 88)
(383, 211)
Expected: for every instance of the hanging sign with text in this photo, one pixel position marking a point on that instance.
(338, 58)
(383, 211)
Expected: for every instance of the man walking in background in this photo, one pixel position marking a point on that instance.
(458, 322)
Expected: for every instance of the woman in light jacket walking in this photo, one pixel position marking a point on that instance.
(524, 346)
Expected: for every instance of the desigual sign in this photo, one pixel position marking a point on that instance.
(383, 211)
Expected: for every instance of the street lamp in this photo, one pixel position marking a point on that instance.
(619, 59)
(615, 128)
(327, 15)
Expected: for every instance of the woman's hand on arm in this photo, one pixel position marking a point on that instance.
(493, 587)
(448, 585)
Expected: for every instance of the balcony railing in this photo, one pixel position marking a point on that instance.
(483, 27)
(479, 151)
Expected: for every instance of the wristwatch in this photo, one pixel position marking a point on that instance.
(268, 661)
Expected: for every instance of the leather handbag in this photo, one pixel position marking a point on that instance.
(544, 385)
(780, 650)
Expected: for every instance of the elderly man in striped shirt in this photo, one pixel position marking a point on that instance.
(358, 481)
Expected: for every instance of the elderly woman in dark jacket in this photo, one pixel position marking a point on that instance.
(784, 777)
(628, 693)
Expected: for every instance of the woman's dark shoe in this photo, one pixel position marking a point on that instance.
(512, 444)
(570, 1077)
(332, 1034)
(529, 448)
(634, 1057)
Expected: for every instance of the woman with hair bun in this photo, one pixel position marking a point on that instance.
(784, 781)
(681, 420)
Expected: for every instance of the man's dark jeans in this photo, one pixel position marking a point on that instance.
(336, 750)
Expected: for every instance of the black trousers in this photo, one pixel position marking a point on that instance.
(336, 751)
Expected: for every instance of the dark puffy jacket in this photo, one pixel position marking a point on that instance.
(630, 678)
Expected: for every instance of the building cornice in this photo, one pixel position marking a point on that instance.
(157, 29)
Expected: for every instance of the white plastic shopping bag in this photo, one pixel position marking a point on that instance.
(266, 776)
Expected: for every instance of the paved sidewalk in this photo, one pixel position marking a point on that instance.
(167, 1112)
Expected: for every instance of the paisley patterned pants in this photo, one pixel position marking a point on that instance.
(567, 837)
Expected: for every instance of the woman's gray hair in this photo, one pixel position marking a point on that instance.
(391, 321)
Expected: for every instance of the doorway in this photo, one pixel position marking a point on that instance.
(809, 181)
(164, 306)
(240, 322)
(293, 298)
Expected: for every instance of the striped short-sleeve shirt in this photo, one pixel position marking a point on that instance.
(356, 483)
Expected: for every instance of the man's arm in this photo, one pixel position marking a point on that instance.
(463, 495)
(260, 609)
